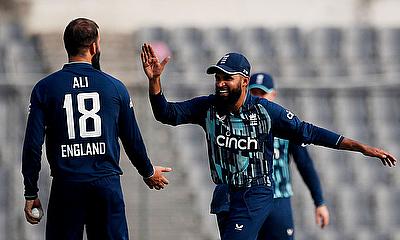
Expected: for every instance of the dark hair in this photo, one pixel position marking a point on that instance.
(79, 34)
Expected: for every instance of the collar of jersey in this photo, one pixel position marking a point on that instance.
(246, 103)
(80, 63)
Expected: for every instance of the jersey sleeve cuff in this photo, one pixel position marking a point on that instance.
(31, 197)
(157, 94)
(151, 174)
(319, 204)
(339, 141)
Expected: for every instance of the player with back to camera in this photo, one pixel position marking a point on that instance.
(83, 112)
(240, 131)
(279, 224)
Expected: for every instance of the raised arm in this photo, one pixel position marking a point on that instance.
(172, 113)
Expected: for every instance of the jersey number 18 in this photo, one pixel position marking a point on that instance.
(86, 114)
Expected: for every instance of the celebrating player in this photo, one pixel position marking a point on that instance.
(279, 224)
(240, 131)
(82, 112)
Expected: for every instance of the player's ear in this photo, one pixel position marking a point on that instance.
(274, 94)
(93, 48)
(245, 81)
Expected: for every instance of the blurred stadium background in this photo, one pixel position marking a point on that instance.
(336, 64)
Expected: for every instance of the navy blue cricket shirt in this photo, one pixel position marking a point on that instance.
(241, 145)
(80, 112)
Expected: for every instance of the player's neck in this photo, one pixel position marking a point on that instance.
(239, 103)
(80, 58)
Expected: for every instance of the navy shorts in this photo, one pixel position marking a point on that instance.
(248, 210)
(98, 204)
(279, 224)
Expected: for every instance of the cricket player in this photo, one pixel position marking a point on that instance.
(82, 112)
(279, 224)
(240, 131)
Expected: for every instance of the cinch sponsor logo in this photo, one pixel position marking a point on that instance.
(242, 143)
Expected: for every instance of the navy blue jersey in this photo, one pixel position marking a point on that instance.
(240, 146)
(81, 112)
(282, 176)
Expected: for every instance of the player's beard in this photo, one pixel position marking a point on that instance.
(229, 100)
(96, 61)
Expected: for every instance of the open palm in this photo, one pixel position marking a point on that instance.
(151, 65)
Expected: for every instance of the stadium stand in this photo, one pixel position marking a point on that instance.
(345, 79)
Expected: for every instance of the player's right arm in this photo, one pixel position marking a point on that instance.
(34, 138)
(32, 151)
(190, 111)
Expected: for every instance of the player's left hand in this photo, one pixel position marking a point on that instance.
(158, 181)
(386, 158)
(322, 216)
(29, 205)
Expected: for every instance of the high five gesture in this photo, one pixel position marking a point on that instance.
(152, 67)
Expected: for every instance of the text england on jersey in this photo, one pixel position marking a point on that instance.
(83, 149)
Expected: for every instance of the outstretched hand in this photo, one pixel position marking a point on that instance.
(151, 65)
(386, 158)
(158, 181)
